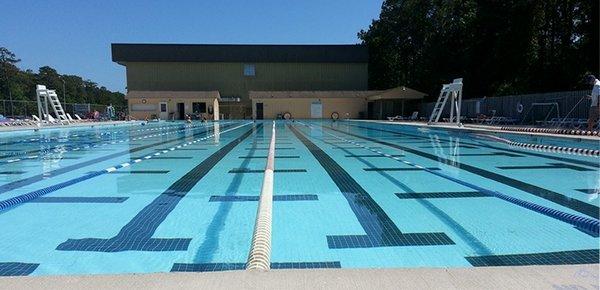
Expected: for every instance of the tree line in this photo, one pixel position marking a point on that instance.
(498, 47)
(19, 85)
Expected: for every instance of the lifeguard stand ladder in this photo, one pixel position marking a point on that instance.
(454, 92)
(47, 98)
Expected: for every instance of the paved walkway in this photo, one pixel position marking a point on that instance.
(529, 277)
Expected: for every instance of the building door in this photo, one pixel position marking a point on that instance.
(163, 110)
(181, 111)
(316, 110)
(259, 111)
(370, 110)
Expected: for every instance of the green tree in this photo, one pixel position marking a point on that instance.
(499, 47)
(8, 70)
(20, 85)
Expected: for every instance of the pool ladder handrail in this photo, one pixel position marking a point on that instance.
(260, 251)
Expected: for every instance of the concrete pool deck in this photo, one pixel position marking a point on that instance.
(525, 277)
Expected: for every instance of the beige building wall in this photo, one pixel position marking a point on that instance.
(299, 108)
(152, 107)
(229, 79)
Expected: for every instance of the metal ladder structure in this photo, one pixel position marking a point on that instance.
(453, 91)
(48, 98)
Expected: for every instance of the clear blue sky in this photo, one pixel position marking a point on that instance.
(74, 37)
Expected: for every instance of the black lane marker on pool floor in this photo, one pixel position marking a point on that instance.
(267, 148)
(137, 234)
(400, 169)
(248, 170)
(281, 197)
(489, 154)
(140, 172)
(215, 267)
(165, 158)
(372, 156)
(448, 146)
(79, 199)
(184, 149)
(451, 194)
(551, 258)
(17, 269)
(549, 166)
(263, 157)
(11, 172)
(563, 159)
(379, 228)
(341, 147)
(589, 190)
(574, 204)
(478, 247)
(27, 181)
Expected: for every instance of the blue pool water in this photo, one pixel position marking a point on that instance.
(346, 194)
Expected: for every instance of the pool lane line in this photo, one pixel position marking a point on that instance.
(56, 148)
(11, 202)
(212, 235)
(86, 134)
(522, 152)
(137, 234)
(29, 180)
(259, 257)
(590, 225)
(380, 230)
(590, 210)
(87, 146)
(469, 239)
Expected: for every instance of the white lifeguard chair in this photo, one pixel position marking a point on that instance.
(453, 91)
(48, 98)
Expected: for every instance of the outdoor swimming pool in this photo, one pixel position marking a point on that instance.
(175, 197)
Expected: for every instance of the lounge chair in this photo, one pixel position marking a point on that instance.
(79, 119)
(71, 118)
(414, 116)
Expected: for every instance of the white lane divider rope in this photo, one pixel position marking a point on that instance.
(544, 148)
(260, 251)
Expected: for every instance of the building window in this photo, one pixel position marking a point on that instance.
(198, 108)
(249, 70)
(163, 107)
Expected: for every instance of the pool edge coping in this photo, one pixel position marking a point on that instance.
(532, 277)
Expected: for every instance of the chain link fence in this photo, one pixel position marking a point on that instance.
(25, 109)
(526, 108)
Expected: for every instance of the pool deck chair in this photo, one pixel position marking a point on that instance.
(454, 92)
(70, 118)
